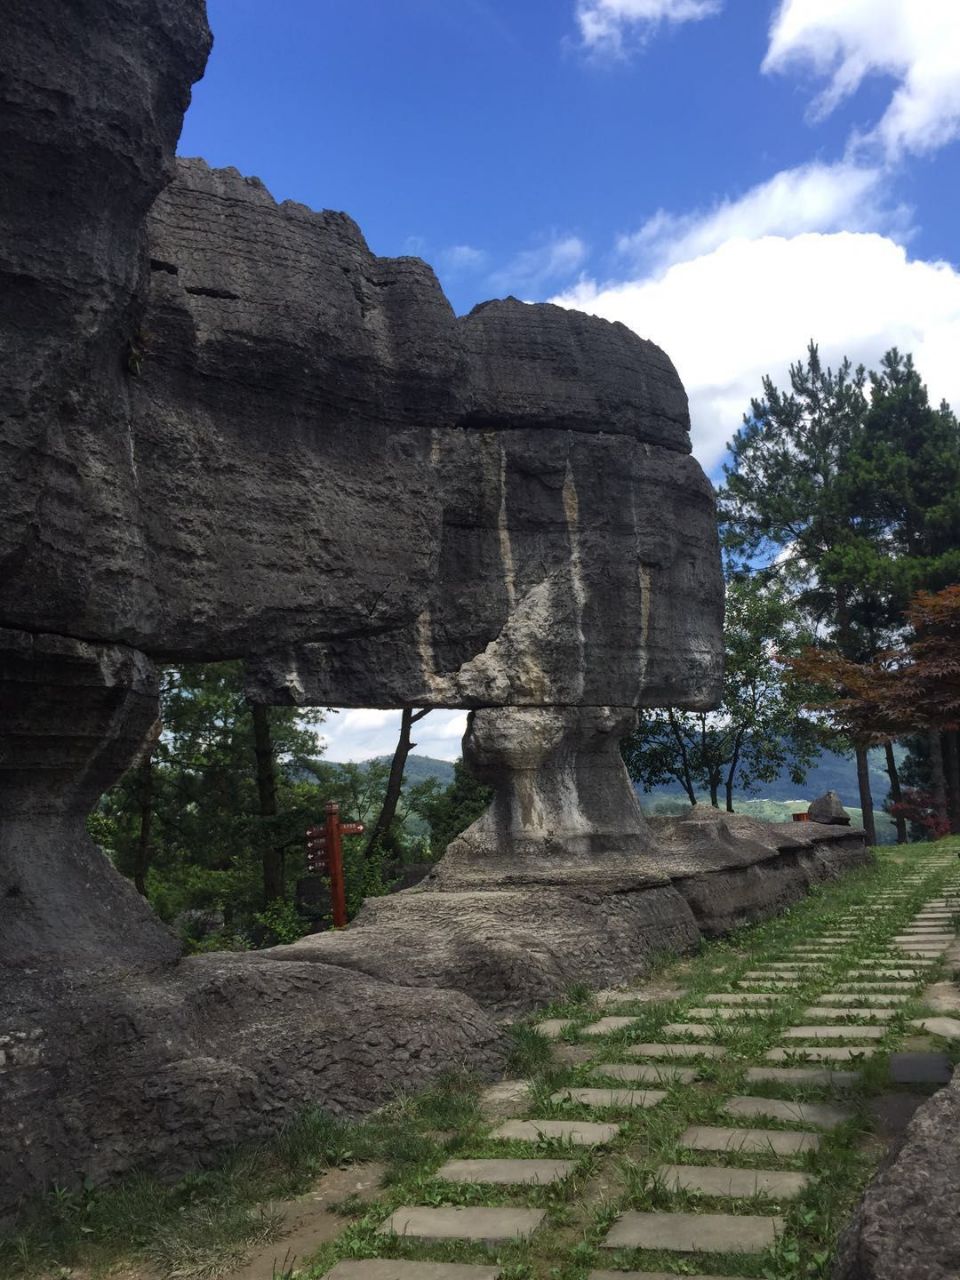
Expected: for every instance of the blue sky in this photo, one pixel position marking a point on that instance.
(728, 177)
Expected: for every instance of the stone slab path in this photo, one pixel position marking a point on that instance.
(679, 1133)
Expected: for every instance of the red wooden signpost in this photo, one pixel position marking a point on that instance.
(325, 857)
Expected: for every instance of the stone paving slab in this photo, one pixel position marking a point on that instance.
(821, 1114)
(845, 1053)
(781, 976)
(604, 1026)
(865, 998)
(506, 1172)
(652, 1275)
(646, 1072)
(876, 974)
(742, 997)
(728, 1015)
(862, 1012)
(714, 1180)
(675, 1050)
(694, 1232)
(688, 1029)
(505, 1099)
(875, 982)
(810, 1076)
(553, 1028)
(389, 1269)
(947, 1028)
(610, 1097)
(920, 1068)
(457, 1223)
(709, 1137)
(812, 1032)
(772, 984)
(612, 999)
(580, 1133)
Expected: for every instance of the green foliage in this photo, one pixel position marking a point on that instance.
(452, 810)
(759, 729)
(279, 922)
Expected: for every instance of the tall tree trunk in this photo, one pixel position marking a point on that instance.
(896, 795)
(866, 798)
(686, 779)
(381, 830)
(714, 791)
(732, 771)
(938, 778)
(271, 855)
(951, 771)
(145, 805)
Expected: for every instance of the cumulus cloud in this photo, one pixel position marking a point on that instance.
(362, 734)
(916, 42)
(749, 306)
(533, 270)
(608, 26)
(813, 197)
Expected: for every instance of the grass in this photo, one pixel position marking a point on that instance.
(201, 1226)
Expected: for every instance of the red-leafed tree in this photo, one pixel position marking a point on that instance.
(912, 690)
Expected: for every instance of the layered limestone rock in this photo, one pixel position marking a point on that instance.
(231, 431)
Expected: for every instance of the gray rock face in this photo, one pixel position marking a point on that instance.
(828, 809)
(905, 1227)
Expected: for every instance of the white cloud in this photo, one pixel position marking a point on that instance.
(533, 270)
(606, 26)
(461, 258)
(813, 197)
(749, 307)
(916, 42)
(361, 734)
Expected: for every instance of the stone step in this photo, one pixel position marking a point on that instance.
(708, 1137)
(713, 1180)
(770, 984)
(811, 1053)
(946, 1028)
(390, 1269)
(579, 1133)
(742, 997)
(506, 1172)
(505, 1099)
(606, 1026)
(694, 1232)
(874, 975)
(621, 1098)
(699, 1029)
(646, 1072)
(866, 984)
(652, 1275)
(821, 1114)
(456, 1223)
(553, 1028)
(729, 1015)
(862, 1013)
(813, 1032)
(812, 1077)
(675, 1051)
(788, 966)
(865, 998)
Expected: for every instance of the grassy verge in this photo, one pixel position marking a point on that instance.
(201, 1226)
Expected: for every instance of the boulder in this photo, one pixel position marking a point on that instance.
(828, 809)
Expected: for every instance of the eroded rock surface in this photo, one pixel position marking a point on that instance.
(907, 1226)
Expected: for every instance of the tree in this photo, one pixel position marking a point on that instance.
(381, 835)
(854, 497)
(758, 729)
(902, 691)
(207, 818)
(452, 810)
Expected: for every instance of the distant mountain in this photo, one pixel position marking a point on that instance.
(420, 768)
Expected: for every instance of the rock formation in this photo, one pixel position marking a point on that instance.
(231, 430)
(828, 809)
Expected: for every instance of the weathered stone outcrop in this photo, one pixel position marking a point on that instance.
(230, 430)
(907, 1226)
